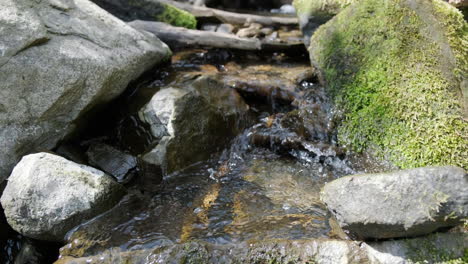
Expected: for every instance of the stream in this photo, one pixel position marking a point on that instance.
(257, 177)
(260, 185)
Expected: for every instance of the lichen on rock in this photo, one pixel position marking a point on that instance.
(397, 71)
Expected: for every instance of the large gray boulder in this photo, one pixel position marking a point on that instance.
(47, 195)
(398, 204)
(59, 59)
(192, 122)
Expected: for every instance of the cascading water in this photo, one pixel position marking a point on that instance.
(265, 184)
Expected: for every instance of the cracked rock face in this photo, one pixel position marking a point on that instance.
(47, 195)
(58, 59)
(398, 204)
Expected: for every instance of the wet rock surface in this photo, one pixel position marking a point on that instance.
(398, 204)
(202, 117)
(116, 163)
(47, 195)
(70, 57)
(437, 248)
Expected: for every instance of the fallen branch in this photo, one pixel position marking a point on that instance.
(182, 37)
(231, 17)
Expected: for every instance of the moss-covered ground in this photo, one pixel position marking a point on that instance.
(394, 69)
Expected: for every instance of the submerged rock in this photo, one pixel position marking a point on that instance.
(263, 81)
(47, 195)
(29, 253)
(70, 56)
(113, 161)
(246, 198)
(436, 248)
(398, 72)
(398, 204)
(192, 123)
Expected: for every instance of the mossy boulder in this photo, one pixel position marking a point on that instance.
(313, 13)
(397, 72)
(152, 10)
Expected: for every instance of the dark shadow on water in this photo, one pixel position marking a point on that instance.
(17, 249)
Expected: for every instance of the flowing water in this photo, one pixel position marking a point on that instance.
(259, 178)
(263, 184)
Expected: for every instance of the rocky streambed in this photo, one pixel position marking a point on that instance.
(231, 156)
(228, 171)
(254, 175)
(257, 129)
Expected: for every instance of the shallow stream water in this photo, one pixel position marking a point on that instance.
(263, 184)
(260, 182)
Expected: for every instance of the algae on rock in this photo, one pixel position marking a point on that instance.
(397, 71)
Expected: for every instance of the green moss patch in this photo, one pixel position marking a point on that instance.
(177, 17)
(394, 68)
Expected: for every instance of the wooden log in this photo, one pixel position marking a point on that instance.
(231, 17)
(182, 37)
